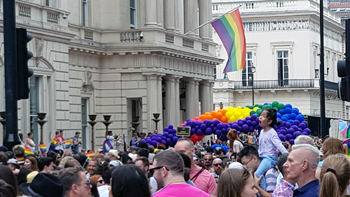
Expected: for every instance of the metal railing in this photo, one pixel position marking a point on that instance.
(282, 84)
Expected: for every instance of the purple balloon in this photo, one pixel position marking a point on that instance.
(208, 131)
(248, 118)
(193, 131)
(171, 136)
(249, 123)
(288, 125)
(203, 127)
(220, 126)
(294, 127)
(193, 123)
(283, 131)
(304, 133)
(290, 131)
(199, 132)
(240, 122)
(171, 126)
(218, 132)
(253, 117)
(254, 123)
(224, 131)
(282, 137)
(168, 142)
(175, 138)
(245, 128)
(142, 140)
(154, 143)
(235, 126)
(251, 129)
(288, 137)
(296, 134)
(166, 134)
(296, 122)
(307, 130)
(302, 126)
(291, 141)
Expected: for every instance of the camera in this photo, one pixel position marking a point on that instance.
(64, 16)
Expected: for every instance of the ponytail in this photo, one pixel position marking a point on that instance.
(329, 185)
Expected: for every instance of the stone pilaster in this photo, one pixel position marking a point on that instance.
(192, 98)
(204, 16)
(152, 99)
(169, 14)
(151, 13)
(190, 16)
(205, 96)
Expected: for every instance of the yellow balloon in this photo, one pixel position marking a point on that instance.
(239, 107)
(229, 114)
(232, 119)
(230, 108)
(255, 108)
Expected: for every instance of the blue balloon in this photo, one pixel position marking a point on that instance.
(295, 111)
(291, 122)
(292, 116)
(285, 119)
(281, 111)
(165, 129)
(300, 118)
(142, 140)
(279, 115)
(288, 110)
(288, 106)
(225, 126)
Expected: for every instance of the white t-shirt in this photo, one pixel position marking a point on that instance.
(237, 143)
(103, 189)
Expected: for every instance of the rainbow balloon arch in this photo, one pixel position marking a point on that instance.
(243, 119)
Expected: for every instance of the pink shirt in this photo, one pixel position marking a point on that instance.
(204, 181)
(180, 190)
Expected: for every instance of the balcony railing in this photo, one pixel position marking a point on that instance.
(283, 84)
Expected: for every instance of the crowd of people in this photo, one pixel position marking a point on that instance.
(265, 168)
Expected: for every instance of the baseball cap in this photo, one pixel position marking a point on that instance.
(115, 163)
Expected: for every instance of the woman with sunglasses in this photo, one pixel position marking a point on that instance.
(236, 183)
(97, 179)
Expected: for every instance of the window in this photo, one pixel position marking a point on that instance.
(215, 72)
(132, 14)
(247, 75)
(85, 13)
(282, 63)
(48, 3)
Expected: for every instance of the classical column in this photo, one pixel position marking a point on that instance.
(152, 99)
(169, 14)
(205, 96)
(211, 101)
(160, 13)
(192, 98)
(170, 95)
(151, 13)
(160, 103)
(204, 16)
(190, 16)
(177, 100)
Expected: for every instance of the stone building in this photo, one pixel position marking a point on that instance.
(124, 58)
(283, 44)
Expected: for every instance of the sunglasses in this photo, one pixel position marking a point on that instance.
(217, 164)
(101, 181)
(157, 168)
(87, 184)
(207, 159)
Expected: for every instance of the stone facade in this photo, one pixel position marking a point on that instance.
(127, 59)
(290, 28)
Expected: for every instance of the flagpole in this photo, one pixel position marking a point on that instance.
(213, 19)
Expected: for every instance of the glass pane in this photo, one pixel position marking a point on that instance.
(285, 68)
(285, 62)
(285, 76)
(132, 16)
(279, 54)
(249, 55)
(132, 3)
(249, 63)
(285, 53)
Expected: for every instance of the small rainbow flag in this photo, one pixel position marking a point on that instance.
(160, 145)
(90, 155)
(28, 151)
(68, 143)
(230, 30)
(107, 146)
(42, 147)
(53, 143)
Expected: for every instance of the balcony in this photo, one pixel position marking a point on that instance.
(278, 84)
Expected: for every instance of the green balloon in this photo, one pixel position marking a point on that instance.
(252, 112)
(250, 106)
(258, 111)
(280, 106)
(275, 108)
(275, 104)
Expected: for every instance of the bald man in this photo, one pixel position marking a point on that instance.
(202, 178)
(301, 167)
(218, 167)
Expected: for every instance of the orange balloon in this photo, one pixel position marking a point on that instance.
(213, 113)
(202, 117)
(207, 113)
(224, 111)
(209, 117)
(219, 115)
(224, 119)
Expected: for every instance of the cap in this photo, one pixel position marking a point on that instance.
(12, 161)
(132, 156)
(235, 165)
(114, 152)
(115, 163)
(3, 148)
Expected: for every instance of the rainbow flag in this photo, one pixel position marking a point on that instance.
(160, 145)
(42, 147)
(107, 146)
(28, 151)
(90, 155)
(230, 30)
(53, 143)
(68, 143)
(343, 128)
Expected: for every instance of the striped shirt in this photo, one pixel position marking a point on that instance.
(271, 180)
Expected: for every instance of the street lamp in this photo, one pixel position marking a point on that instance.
(251, 78)
(156, 119)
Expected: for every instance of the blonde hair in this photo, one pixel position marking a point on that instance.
(335, 174)
(232, 182)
